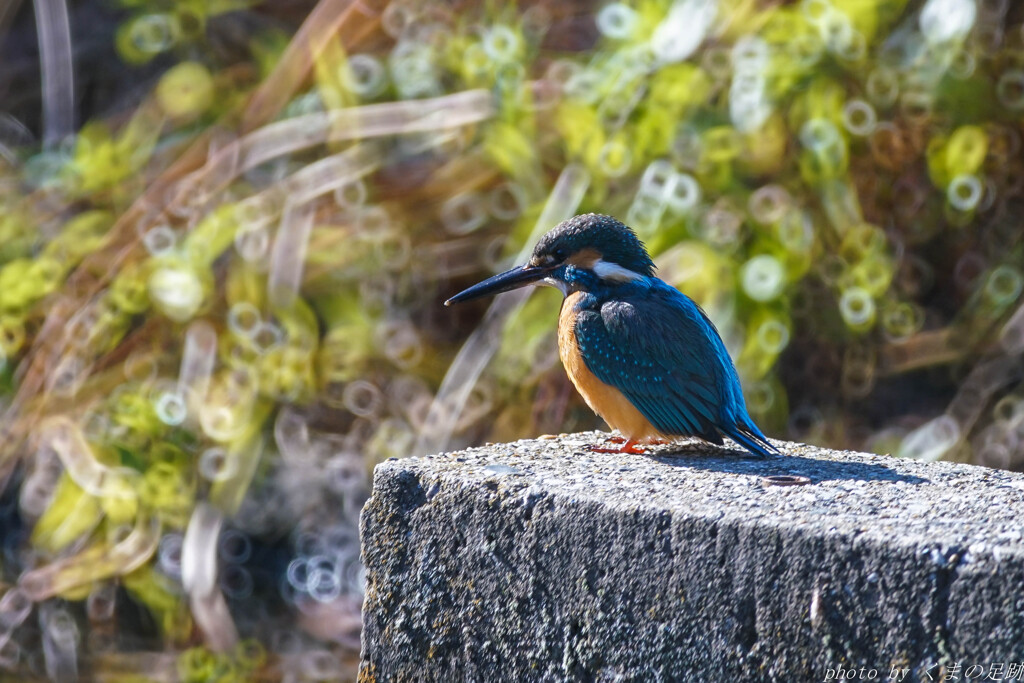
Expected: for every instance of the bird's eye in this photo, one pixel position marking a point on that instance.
(560, 254)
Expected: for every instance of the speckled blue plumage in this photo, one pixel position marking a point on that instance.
(655, 345)
(613, 240)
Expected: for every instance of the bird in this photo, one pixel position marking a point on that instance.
(644, 356)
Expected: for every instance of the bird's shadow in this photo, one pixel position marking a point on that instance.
(721, 459)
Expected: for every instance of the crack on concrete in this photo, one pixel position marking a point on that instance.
(944, 576)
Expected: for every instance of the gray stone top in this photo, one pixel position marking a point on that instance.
(881, 497)
(540, 560)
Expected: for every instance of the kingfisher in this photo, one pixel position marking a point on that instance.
(644, 356)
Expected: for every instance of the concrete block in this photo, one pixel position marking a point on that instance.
(541, 561)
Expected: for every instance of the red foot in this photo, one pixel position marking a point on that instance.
(621, 439)
(628, 446)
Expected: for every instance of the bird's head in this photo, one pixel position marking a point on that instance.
(578, 254)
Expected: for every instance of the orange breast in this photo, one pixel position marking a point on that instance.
(604, 399)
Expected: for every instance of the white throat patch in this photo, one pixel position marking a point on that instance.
(614, 272)
(557, 284)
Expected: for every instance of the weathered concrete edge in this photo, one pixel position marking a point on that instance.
(937, 608)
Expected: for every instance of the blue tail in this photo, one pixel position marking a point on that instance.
(751, 438)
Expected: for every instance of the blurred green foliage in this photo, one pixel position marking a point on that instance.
(220, 296)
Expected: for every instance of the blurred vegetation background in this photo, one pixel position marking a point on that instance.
(227, 227)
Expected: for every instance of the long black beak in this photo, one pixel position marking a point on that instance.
(503, 282)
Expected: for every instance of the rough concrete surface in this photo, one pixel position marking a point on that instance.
(541, 561)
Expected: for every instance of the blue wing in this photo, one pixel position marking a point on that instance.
(663, 353)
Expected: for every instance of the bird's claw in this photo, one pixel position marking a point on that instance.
(613, 438)
(628, 446)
